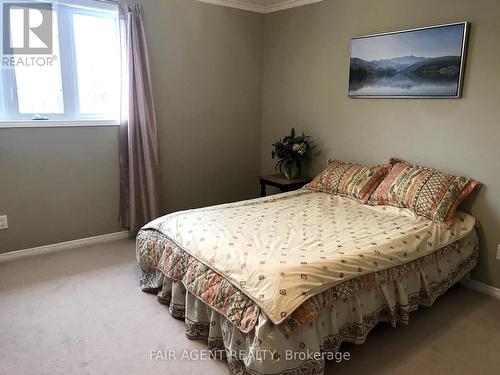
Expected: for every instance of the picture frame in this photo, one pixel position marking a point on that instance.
(425, 62)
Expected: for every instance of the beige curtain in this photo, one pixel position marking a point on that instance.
(139, 160)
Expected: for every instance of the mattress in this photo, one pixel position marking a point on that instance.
(272, 255)
(343, 314)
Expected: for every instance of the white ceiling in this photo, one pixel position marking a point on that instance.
(261, 6)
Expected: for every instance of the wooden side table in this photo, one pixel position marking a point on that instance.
(281, 182)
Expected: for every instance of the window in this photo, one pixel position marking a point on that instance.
(80, 80)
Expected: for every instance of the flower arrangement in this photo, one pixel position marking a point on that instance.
(292, 152)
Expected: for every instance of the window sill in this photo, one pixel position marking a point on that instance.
(22, 124)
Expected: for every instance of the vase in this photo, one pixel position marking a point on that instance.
(291, 170)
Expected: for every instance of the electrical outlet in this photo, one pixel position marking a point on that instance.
(498, 251)
(3, 222)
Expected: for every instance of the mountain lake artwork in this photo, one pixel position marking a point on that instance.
(426, 62)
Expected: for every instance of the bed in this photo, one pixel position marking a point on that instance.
(276, 284)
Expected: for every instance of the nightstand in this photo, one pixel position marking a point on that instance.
(281, 182)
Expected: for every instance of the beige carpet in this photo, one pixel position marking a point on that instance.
(81, 312)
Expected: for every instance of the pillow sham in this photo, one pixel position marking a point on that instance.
(428, 192)
(349, 180)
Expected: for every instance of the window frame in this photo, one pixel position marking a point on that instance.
(71, 116)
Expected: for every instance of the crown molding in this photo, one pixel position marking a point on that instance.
(238, 4)
(289, 4)
(244, 5)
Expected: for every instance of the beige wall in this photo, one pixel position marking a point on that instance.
(62, 184)
(306, 56)
(206, 64)
(57, 184)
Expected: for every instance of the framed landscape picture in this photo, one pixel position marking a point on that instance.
(419, 63)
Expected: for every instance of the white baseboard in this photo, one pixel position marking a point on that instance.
(482, 288)
(68, 245)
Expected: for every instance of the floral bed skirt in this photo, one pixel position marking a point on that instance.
(303, 348)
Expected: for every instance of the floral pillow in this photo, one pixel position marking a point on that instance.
(428, 192)
(349, 180)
